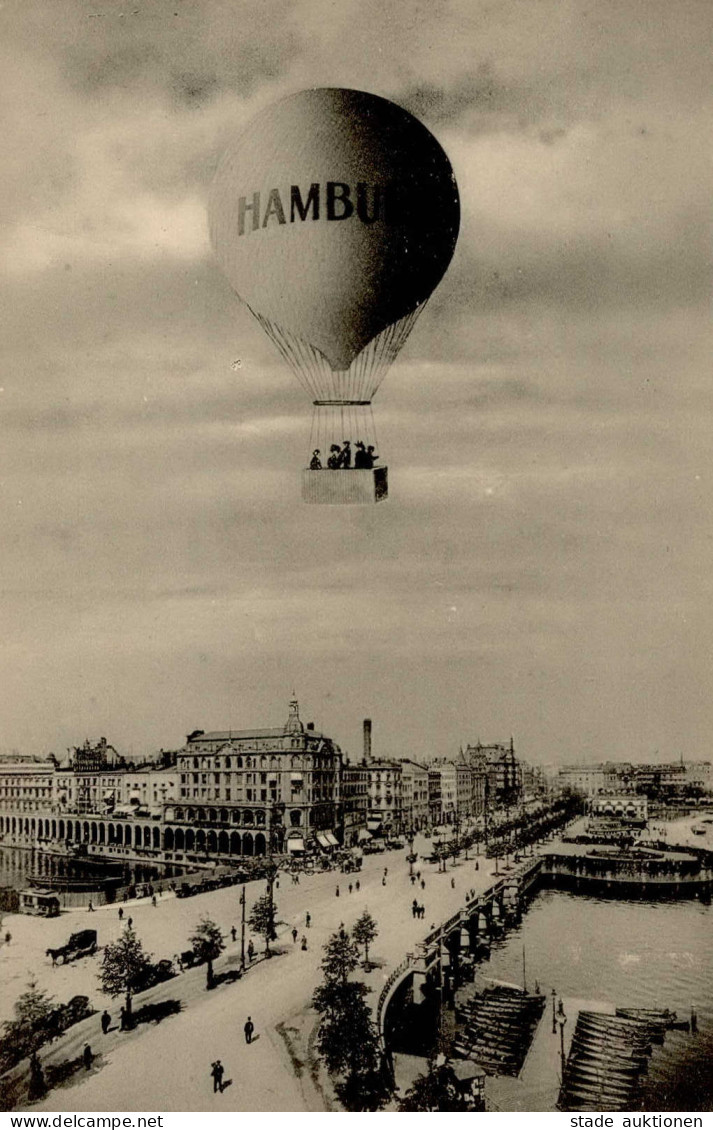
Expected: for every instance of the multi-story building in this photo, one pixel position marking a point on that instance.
(26, 785)
(414, 796)
(448, 775)
(434, 796)
(587, 780)
(355, 803)
(249, 792)
(90, 780)
(502, 770)
(464, 790)
(385, 797)
(147, 789)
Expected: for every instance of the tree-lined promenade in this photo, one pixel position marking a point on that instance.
(167, 1067)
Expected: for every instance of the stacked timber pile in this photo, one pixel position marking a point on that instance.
(495, 1029)
(607, 1060)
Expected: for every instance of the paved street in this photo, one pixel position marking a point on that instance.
(167, 1067)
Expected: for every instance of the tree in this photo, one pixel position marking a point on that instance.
(262, 920)
(341, 957)
(363, 932)
(347, 1040)
(124, 965)
(436, 1090)
(35, 1023)
(208, 944)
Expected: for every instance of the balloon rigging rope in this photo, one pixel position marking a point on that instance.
(351, 389)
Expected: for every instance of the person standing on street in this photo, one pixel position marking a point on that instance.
(248, 1029)
(233, 933)
(308, 919)
(294, 934)
(217, 1071)
(106, 1021)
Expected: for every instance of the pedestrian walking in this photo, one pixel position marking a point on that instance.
(88, 1057)
(337, 892)
(418, 875)
(153, 900)
(308, 920)
(251, 950)
(386, 872)
(423, 884)
(383, 880)
(358, 884)
(413, 880)
(8, 938)
(233, 933)
(121, 913)
(294, 934)
(248, 1029)
(129, 922)
(90, 907)
(351, 888)
(304, 941)
(217, 1071)
(453, 883)
(106, 1021)
(37, 1086)
(123, 1019)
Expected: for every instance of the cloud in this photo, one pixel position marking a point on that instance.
(542, 563)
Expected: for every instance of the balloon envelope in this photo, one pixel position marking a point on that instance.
(334, 214)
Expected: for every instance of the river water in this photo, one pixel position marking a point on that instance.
(602, 953)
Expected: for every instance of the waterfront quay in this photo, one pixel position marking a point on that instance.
(275, 1072)
(468, 907)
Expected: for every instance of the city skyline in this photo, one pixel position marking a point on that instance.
(542, 565)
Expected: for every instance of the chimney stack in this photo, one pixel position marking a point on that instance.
(367, 739)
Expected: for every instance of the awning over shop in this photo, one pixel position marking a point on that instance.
(373, 825)
(363, 835)
(109, 794)
(322, 840)
(332, 840)
(295, 844)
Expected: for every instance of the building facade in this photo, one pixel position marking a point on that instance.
(414, 796)
(385, 797)
(502, 772)
(250, 792)
(355, 803)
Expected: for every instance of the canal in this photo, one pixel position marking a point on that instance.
(602, 953)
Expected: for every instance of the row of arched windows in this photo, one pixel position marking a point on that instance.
(144, 836)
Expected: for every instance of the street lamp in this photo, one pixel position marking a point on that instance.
(561, 1020)
(554, 1014)
(242, 930)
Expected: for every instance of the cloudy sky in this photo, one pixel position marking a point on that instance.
(543, 565)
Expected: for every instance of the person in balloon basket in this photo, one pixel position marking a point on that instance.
(333, 460)
(345, 455)
(315, 463)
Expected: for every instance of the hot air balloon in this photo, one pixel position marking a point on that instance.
(334, 216)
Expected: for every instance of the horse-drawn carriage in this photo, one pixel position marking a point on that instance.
(81, 944)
